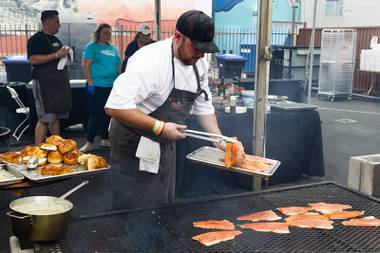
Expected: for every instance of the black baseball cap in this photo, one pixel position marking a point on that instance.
(199, 28)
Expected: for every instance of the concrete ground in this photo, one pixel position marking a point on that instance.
(349, 128)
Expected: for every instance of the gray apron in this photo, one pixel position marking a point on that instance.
(54, 85)
(135, 189)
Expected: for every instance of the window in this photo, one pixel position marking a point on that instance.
(333, 7)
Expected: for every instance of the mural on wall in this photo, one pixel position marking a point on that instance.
(28, 11)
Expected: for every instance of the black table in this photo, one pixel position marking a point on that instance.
(294, 138)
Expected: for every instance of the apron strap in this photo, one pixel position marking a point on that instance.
(200, 90)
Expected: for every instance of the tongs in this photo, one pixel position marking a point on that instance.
(208, 136)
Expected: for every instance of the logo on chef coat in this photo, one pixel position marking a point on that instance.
(203, 77)
(56, 44)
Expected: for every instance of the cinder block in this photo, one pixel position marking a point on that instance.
(364, 174)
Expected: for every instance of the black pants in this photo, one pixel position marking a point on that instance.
(98, 120)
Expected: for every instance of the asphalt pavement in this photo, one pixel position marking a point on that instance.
(349, 128)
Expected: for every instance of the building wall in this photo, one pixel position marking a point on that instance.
(28, 11)
(353, 13)
(244, 14)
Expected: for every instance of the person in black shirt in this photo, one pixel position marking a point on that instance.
(51, 87)
(141, 39)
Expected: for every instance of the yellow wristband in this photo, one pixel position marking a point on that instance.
(161, 128)
(155, 126)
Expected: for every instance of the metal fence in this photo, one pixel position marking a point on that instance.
(239, 41)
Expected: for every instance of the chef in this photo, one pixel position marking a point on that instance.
(149, 105)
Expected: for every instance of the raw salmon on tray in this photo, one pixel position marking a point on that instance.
(327, 208)
(310, 220)
(369, 221)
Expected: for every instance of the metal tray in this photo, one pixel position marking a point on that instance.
(35, 176)
(214, 157)
(9, 176)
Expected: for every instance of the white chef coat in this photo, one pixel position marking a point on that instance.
(148, 80)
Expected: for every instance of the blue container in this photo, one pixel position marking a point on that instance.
(230, 65)
(18, 69)
(249, 52)
(248, 48)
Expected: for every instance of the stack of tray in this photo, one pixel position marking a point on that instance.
(9, 176)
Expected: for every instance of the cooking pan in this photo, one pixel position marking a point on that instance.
(41, 218)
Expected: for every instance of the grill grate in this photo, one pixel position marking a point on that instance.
(170, 229)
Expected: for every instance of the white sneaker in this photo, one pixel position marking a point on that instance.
(106, 143)
(87, 147)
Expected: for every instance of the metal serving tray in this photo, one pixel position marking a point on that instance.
(9, 176)
(35, 176)
(215, 157)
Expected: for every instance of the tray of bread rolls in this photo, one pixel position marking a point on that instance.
(56, 158)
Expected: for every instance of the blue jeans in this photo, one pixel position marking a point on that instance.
(98, 120)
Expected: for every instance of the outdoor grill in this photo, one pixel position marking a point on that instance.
(170, 229)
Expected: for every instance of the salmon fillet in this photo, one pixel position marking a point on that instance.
(309, 220)
(345, 215)
(327, 208)
(268, 215)
(369, 221)
(212, 238)
(215, 224)
(235, 156)
(252, 163)
(275, 227)
(293, 210)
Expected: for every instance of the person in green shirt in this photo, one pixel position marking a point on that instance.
(101, 65)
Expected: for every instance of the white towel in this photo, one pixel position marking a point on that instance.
(65, 60)
(149, 153)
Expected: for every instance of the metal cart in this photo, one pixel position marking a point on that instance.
(338, 47)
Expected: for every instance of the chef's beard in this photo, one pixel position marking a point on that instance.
(182, 55)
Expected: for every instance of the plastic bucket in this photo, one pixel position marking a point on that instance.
(4, 139)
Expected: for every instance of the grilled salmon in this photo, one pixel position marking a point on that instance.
(235, 156)
(215, 224)
(293, 210)
(369, 221)
(327, 208)
(309, 220)
(344, 215)
(268, 215)
(212, 238)
(275, 227)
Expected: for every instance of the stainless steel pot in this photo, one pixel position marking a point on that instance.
(41, 218)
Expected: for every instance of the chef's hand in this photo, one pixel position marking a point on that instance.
(173, 131)
(62, 52)
(220, 145)
(90, 89)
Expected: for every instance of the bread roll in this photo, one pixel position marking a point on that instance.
(48, 147)
(66, 146)
(33, 152)
(82, 159)
(71, 157)
(54, 139)
(96, 162)
(54, 157)
(42, 161)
